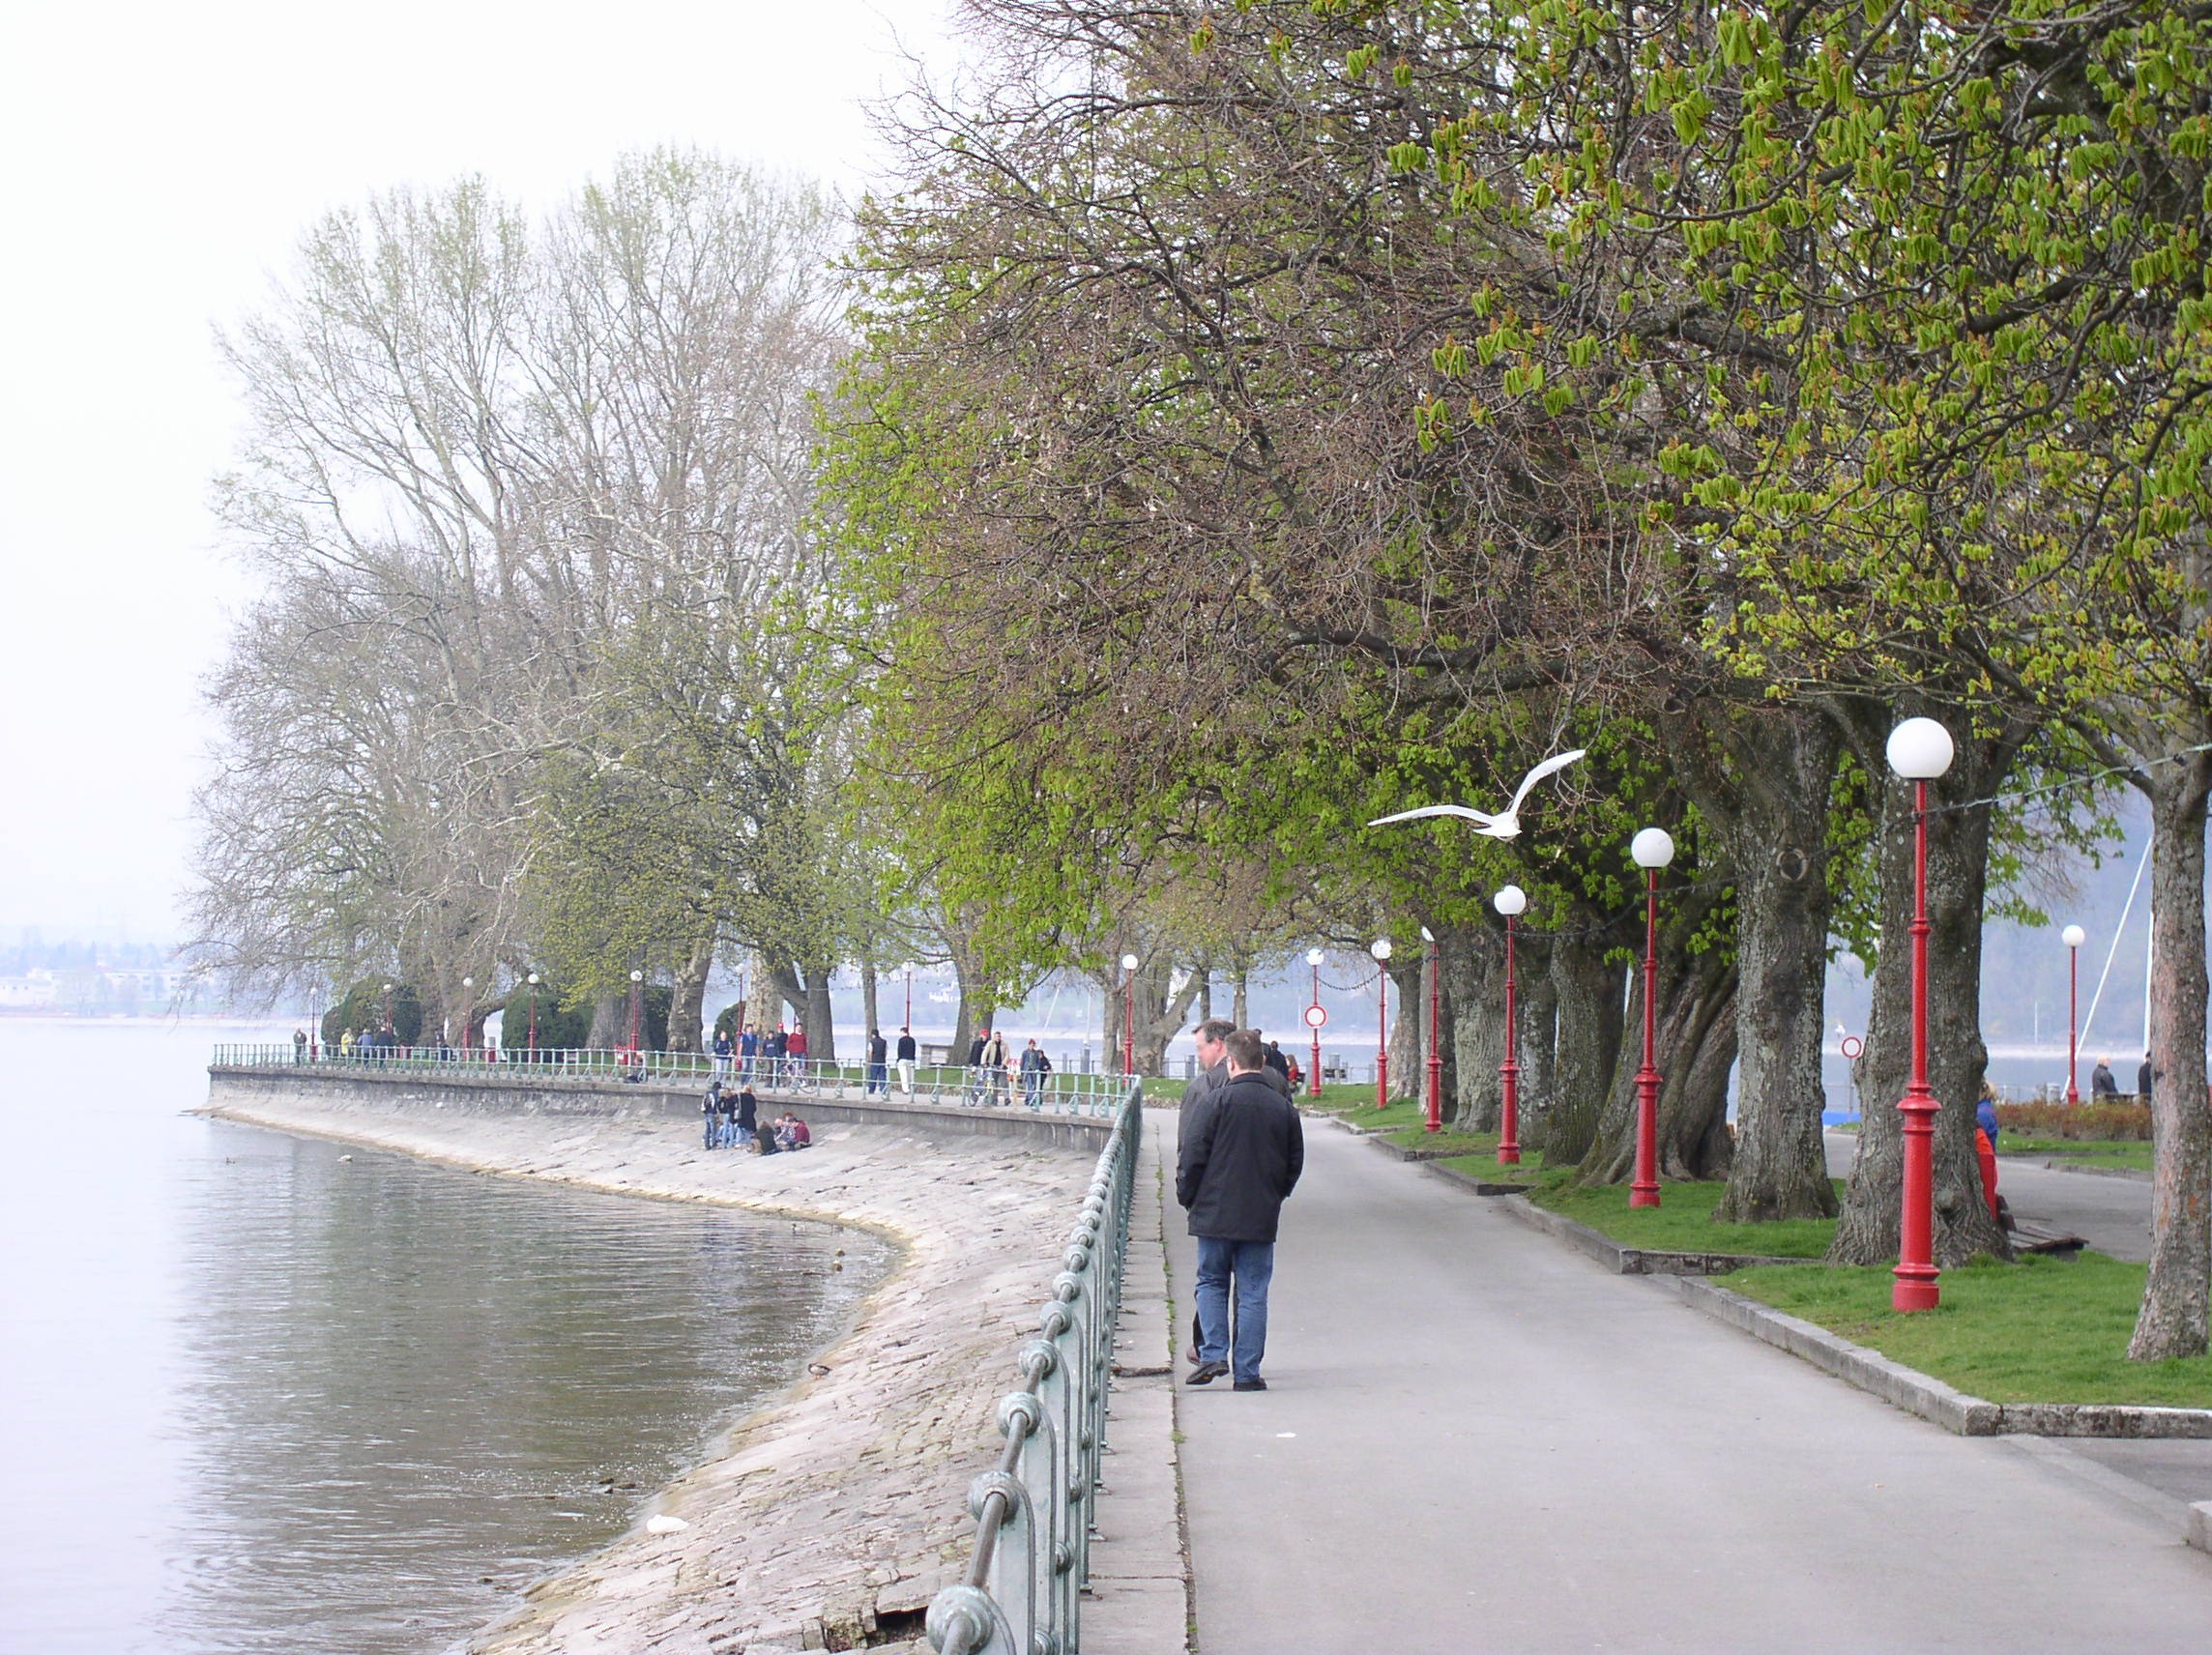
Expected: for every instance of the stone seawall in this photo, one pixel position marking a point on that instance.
(828, 1518)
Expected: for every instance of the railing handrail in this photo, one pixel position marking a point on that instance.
(1060, 1092)
(1022, 1588)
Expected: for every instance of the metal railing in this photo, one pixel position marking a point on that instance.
(943, 1084)
(1022, 1592)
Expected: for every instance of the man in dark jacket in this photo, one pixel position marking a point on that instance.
(906, 1055)
(1211, 1037)
(1237, 1162)
(2143, 1081)
(879, 1068)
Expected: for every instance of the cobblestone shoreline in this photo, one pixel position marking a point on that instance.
(829, 1517)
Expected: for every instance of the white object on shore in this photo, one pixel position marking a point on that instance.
(665, 1525)
(1506, 824)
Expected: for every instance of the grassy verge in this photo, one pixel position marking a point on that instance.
(2042, 1330)
(2110, 1153)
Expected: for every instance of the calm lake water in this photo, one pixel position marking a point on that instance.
(255, 1397)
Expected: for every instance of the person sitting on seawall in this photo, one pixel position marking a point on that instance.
(1986, 1152)
(2102, 1088)
(791, 1132)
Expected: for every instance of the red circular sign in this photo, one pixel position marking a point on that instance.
(1315, 1016)
(1852, 1046)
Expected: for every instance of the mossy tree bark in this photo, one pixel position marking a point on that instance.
(688, 1008)
(1770, 803)
(1409, 1026)
(1589, 993)
(1474, 965)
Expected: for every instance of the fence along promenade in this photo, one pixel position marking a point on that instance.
(945, 1085)
(1022, 1592)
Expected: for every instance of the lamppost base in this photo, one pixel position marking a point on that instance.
(1914, 1289)
(1509, 1154)
(1643, 1195)
(1435, 1122)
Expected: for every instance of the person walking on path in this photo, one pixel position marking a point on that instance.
(1237, 1163)
(2103, 1087)
(878, 1051)
(993, 1061)
(906, 1055)
(1035, 1065)
(298, 1045)
(1212, 1075)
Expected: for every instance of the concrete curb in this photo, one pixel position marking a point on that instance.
(1626, 1260)
(1930, 1399)
(1138, 1599)
(1468, 1180)
(2200, 1525)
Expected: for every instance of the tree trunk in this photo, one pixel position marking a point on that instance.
(868, 1017)
(1957, 873)
(820, 1020)
(1473, 962)
(688, 1008)
(1241, 1004)
(610, 1022)
(1786, 766)
(1409, 1049)
(1590, 991)
(2173, 1319)
(977, 1005)
(1694, 1049)
(1536, 1006)
(1205, 995)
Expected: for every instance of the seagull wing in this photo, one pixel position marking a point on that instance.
(1556, 762)
(1432, 810)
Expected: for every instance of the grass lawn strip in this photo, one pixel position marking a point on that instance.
(2046, 1329)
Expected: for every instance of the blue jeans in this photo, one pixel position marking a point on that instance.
(1252, 1264)
(877, 1078)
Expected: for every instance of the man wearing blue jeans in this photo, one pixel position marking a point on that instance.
(1239, 1160)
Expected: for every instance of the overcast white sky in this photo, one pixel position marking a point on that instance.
(161, 163)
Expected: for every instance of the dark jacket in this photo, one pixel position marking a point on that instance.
(1198, 1095)
(906, 1048)
(876, 1048)
(1239, 1162)
(2143, 1082)
(748, 1110)
(975, 1050)
(1278, 1063)
(2102, 1083)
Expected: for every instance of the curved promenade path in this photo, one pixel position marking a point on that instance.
(1477, 1439)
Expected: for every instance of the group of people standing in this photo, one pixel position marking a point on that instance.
(732, 1117)
(762, 1055)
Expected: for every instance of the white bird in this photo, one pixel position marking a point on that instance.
(1506, 824)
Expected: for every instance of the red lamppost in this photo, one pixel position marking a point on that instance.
(1509, 901)
(1919, 751)
(2075, 937)
(1128, 1014)
(1650, 849)
(1436, 1064)
(468, 1006)
(636, 1010)
(907, 1023)
(1380, 950)
(1315, 1018)
(533, 1017)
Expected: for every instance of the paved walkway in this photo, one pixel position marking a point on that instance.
(1478, 1440)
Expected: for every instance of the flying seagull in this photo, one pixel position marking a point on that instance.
(1507, 823)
